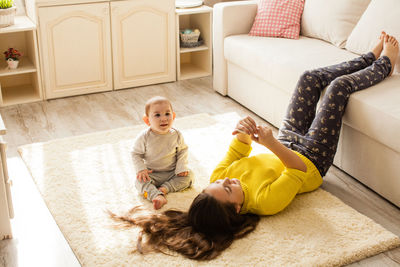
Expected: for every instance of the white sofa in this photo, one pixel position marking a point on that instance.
(261, 72)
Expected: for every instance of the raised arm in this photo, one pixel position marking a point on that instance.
(236, 151)
(247, 129)
(239, 148)
(287, 156)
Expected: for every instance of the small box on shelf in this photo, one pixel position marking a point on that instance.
(190, 38)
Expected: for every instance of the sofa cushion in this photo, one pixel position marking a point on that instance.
(331, 20)
(280, 62)
(375, 112)
(278, 19)
(380, 15)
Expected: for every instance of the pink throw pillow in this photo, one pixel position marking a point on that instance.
(278, 18)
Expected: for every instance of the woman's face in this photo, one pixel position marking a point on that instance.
(227, 190)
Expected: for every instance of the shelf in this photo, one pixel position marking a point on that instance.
(20, 85)
(194, 62)
(25, 66)
(190, 71)
(3, 129)
(19, 95)
(21, 23)
(194, 10)
(193, 49)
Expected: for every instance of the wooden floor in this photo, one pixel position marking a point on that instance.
(38, 241)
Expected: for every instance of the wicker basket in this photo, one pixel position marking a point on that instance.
(7, 16)
(188, 39)
(191, 45)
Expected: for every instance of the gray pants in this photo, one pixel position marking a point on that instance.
(169, 180)
(315, 133)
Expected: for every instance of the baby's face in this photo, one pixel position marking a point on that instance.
(161, 117)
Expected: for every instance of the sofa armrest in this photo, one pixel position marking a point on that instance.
(229, 18)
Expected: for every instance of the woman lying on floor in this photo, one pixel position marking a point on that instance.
(243, 187)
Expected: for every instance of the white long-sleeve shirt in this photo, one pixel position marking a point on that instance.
(160, 152)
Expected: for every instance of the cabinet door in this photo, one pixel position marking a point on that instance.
(143, 39)
(75, 49)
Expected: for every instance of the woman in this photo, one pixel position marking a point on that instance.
(244, 187)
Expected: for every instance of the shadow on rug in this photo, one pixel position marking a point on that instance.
(81, 177)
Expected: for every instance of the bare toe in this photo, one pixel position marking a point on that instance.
(391, 50)
(382, 36)
(156, 204)
(377, 49)
(159, 201)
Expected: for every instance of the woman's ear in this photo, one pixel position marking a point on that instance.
(238, 207)
(146, 120)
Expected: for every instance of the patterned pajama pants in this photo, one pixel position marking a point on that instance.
(315, 134)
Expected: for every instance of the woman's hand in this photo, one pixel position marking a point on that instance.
(287, 156)
(264, 136)
(246, 126)
(245, 130)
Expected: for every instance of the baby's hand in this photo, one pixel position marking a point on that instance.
(186, 173)
(143, 175)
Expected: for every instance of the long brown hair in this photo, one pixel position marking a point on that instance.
(202, 233)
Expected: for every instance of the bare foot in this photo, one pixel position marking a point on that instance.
(163, 190)
(159, 201)
(391, 50)
(379, 45)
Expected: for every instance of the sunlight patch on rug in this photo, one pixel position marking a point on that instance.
(81, 177)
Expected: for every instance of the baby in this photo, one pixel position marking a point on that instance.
(160, 154)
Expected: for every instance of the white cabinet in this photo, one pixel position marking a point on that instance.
(96, 47)
(75, 48)
(6, 206)
(143, 41)
(197, 61)
(21, 85)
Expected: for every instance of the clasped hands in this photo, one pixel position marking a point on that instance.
(247, 130)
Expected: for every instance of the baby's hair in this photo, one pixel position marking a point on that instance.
(155, 100)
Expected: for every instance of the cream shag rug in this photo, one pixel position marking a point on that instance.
(81, 177)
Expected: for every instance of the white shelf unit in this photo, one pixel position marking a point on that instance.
(6, 206)
(21, 85)
(194, 62)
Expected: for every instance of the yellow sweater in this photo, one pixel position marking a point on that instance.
(268, 185)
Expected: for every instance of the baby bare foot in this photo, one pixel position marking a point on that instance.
(159, 201)
(163, 190)
(379, 45)
(391, 50)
